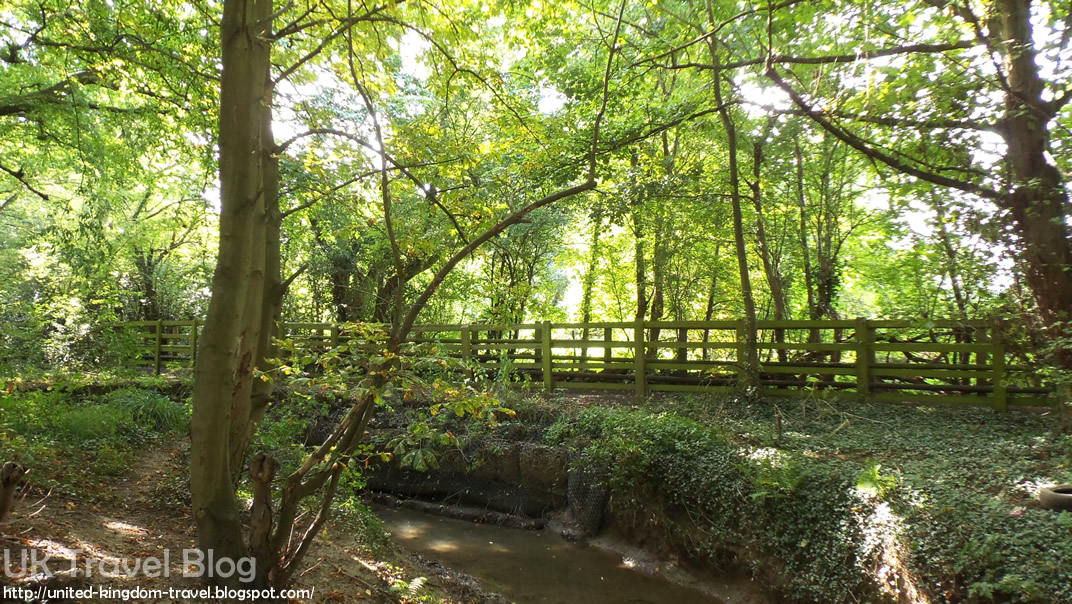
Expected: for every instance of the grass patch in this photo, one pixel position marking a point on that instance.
(77, 443)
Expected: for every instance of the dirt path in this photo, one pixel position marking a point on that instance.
(146, 516)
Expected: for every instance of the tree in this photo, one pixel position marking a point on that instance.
(248, 258)
(996, 57)
(103, 133)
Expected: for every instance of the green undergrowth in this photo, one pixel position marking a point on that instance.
(844, 502)
(76, 444)
(103, 379)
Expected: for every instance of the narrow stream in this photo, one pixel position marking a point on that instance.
(531, 566)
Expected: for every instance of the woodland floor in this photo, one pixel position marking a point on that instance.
(137, 518)
(962, 481)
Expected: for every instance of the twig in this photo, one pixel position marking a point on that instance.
(20, 176)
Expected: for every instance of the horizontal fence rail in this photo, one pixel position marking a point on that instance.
(961, 362)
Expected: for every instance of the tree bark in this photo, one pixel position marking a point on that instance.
(638, 246)
(590, 268)
(809, 280)
(1038, 201)
(228, 348)
(770, 266)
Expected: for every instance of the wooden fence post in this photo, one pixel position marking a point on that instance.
(467, 350)
(193, 343)
(156, 351)
(608, 352)
(742, 348)
(583, 361)
(334, 336)
(865, 337)
(640, 367)
(547, 367)
(1001, 395)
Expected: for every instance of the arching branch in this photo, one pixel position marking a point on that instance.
(400, 331)
(870, 152)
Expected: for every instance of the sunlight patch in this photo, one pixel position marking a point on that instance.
(123, 527)
(443, 546)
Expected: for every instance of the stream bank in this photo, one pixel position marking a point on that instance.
(562, 505)
(845, 502)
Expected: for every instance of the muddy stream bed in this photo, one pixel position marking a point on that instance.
(534, 566)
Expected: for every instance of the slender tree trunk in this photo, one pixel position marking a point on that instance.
(590, 268)
(750, 372)
(638, 248)
(659, 259)
(809, 279)
(770, 267)
(709, 311)
(951, 256)
(228, 347)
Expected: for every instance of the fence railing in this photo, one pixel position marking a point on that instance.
(961, 362)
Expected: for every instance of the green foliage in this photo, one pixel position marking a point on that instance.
(773, 478)
(713, 495)
(952, 488)
(151, 409)
(417, 447)
(282, 433)
(77, 444)
(872, 481)
(88, 423)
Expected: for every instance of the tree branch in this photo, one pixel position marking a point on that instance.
(20, 176)
(464, 70)
(874, 154)
(895, 122)
(429, 193)
(400, 331)
(713, 32)
(346, 27)
(606, 89)
(833, 59)
(25, 103)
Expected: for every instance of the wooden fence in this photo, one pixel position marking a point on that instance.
(963, 362)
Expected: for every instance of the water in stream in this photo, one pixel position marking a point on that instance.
(531, 566)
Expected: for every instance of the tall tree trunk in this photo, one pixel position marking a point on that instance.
(750, 372)
(591, 266)
(228, 348)
(660, 256)
(709, 311)
(341, 276)
(809, 279)
(271, 312)
(1039, 200)
(638, 247)
(770, 267)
